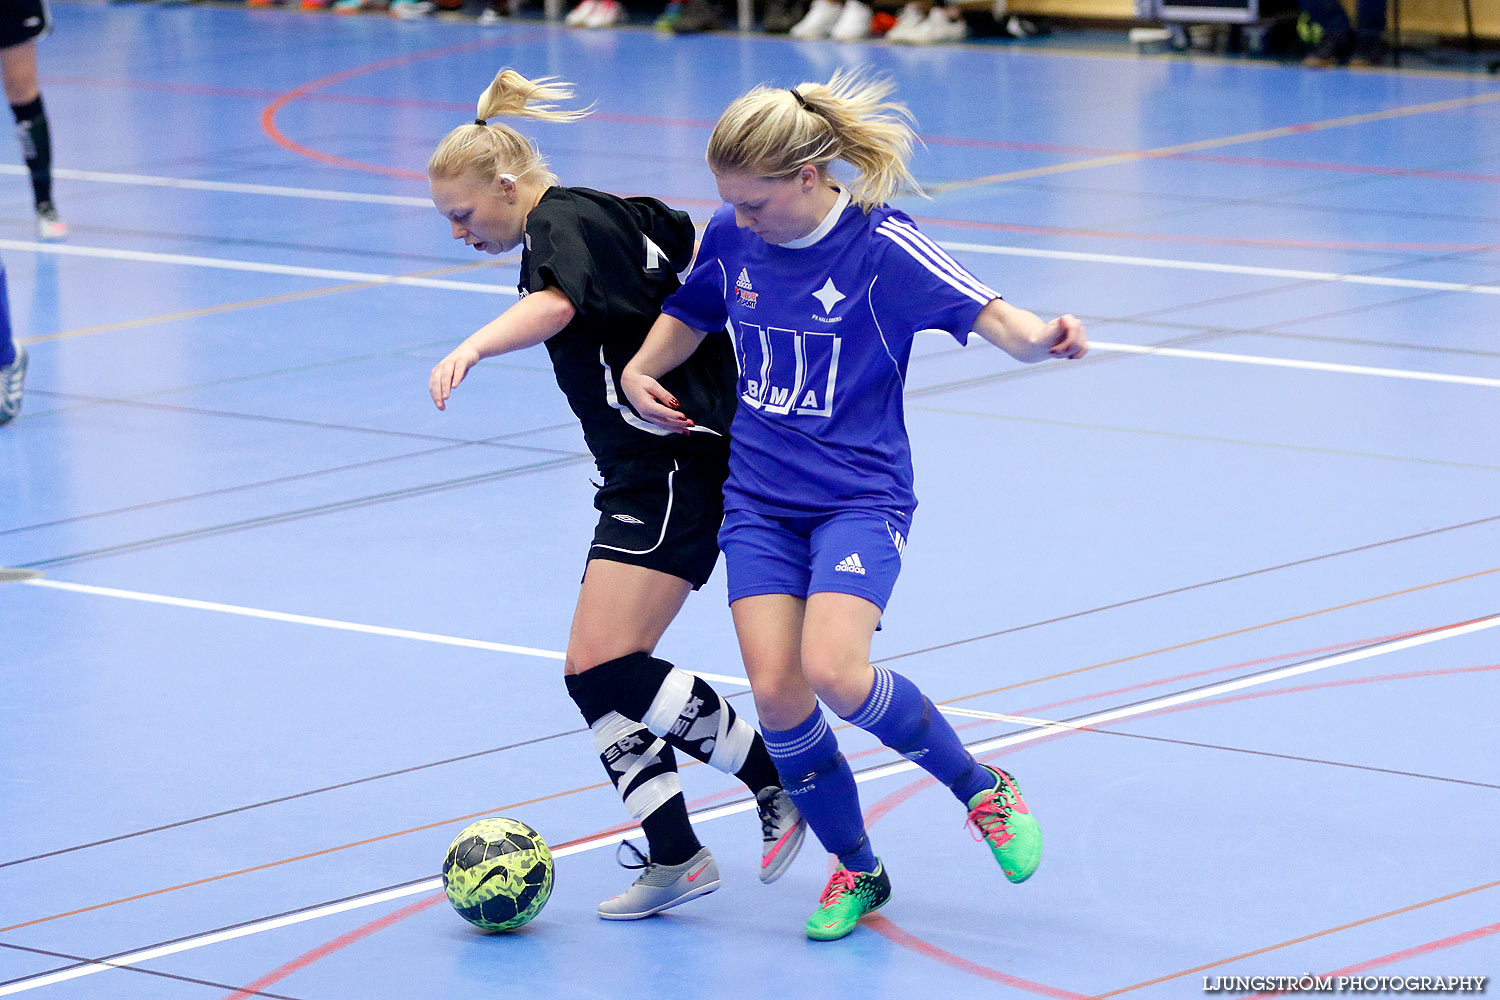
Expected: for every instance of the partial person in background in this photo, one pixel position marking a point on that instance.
(22, 22)
(12, 361)
(1345, 43)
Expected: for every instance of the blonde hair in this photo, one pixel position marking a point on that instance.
(773, 133)
(490, 150)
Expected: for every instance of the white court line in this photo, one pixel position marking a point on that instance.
(281, 616)
(483, 289)
(1015, 739)
(222, 264)
(1194, 265)
(331, 623)
(228, 187)
(1316, 366)
(321, 194)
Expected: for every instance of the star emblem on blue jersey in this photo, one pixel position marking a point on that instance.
(829, 296)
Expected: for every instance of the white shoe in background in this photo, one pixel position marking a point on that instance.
(818, 21)
(412, 10)
(605, 14)
(578, 16)
(906, 22)
(939, 27)
(853, 24)
(49, 228)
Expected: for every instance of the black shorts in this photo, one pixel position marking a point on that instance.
(663, 514)
(23, 20)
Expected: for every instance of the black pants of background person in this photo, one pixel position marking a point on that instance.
(1341, 40)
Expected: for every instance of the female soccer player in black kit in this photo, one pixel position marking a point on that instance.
(594, 272)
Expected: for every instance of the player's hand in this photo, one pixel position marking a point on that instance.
(449, 372)
(1064, 337)
(653, 402)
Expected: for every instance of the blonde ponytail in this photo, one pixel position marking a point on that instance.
(493, 149)
(773, 133)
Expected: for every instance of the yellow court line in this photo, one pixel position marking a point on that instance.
(1115, 159)
(270, 300)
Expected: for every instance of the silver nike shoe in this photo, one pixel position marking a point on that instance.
(661, 887)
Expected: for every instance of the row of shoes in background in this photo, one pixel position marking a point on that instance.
(838, 20)
(853, 21)
(494, 11)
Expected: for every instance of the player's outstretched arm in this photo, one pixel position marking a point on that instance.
(527, 323)
(1025, 337)
(669, 344)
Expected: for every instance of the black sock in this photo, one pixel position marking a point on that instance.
(643, 770)
(36, 147)
(669, 833)
(682, 709)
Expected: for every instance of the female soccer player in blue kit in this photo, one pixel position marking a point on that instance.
(824, 287)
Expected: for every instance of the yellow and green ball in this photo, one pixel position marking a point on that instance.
(498, 873)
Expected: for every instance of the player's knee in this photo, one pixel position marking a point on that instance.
(586, 656)
(830, 671)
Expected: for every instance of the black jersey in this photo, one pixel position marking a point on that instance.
(616, 259)
(23, 20)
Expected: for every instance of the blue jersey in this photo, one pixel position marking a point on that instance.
(823, 329)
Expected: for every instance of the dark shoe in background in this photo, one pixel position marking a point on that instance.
(1333, 50)
(697, 16)
(781, 15)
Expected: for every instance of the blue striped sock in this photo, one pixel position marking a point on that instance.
(7, 345)
(902, 718)
(815, 774)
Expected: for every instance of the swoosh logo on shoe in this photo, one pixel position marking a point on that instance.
(693, 876)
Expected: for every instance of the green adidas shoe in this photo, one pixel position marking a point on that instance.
(1007, 826)
(849, 896)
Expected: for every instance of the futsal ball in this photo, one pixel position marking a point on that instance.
(498, 874)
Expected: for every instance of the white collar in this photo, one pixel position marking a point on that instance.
(824, 228)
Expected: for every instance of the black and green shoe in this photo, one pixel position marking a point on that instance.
(849, 896)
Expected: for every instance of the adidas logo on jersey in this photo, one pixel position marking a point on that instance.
(745, 294)
(851, 564)
(627, 519)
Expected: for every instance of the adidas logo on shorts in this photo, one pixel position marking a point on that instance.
(627, 519)
(850, 564)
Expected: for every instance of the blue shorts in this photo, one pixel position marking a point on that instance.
(849, 552)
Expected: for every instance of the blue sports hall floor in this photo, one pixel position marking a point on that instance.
(1224, 595)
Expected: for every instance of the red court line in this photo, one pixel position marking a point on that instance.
(891, 932)
(268, 116)
(1348, 168)
(881, 924)
(342, 941)
(886, 804)
(262, 93)
(1421, 949)
(309, 91)
(1196, 674)
(1307, 937)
